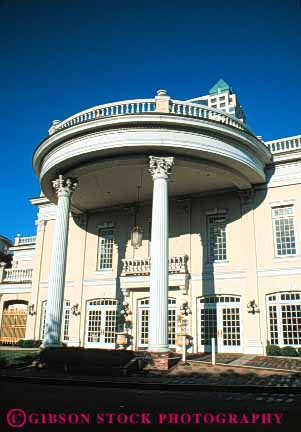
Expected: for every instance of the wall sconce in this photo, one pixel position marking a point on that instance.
(253, 307)
(185, 309)
(75, 309)
(30, 309)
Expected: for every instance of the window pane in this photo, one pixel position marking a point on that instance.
(284, 231)
(106, 240)
(217, 238)
(291, 324)
(273, 325)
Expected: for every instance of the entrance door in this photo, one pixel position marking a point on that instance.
(219, 317)
(143, 322)
(101, 323)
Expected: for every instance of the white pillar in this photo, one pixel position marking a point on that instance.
(160, 169)
(56, 283)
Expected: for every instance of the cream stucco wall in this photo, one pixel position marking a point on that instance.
(251, 271)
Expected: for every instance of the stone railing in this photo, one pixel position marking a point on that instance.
(17, 275)
(135, 106)
(285, 144)
(142, 266)
(26, 240)
(201, 111)
(160, 104)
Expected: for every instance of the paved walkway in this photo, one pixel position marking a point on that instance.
(231, 375)
(266, 362)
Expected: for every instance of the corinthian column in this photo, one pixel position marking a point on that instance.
(160, 168)
(56, 283)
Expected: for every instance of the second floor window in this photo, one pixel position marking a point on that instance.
(217, 247)
(105, 249)
(284, 230)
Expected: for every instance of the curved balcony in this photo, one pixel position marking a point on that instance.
(107, 148)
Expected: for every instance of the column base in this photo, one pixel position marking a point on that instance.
(161, 361)
(158, 348)
(58, 345)
(73, 342)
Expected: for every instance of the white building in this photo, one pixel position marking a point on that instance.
(220, 215)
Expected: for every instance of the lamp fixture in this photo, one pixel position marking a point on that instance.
(137, 232)
(253, 307)
(75, 309)
(185, 309)
(30, 309)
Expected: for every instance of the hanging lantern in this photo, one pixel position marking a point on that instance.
(136, 237)
(137, 232)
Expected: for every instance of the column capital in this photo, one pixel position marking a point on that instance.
(160, 167)
(64, 186)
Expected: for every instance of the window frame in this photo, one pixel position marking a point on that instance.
(274, 219)
(218, 213)
(66, 307)
(104, 227)
(277, 303)
(142, 305)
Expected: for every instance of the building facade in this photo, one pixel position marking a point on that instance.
(161, 217)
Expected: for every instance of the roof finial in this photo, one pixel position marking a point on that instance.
(161, 92)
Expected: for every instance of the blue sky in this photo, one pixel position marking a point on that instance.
(61, 56)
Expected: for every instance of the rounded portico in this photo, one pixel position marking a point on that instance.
(96, 159)
(104, 144)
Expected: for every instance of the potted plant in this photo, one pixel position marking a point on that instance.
(124, 324)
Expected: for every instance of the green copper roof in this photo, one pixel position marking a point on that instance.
(220, 87)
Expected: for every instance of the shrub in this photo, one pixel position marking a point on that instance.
(17, 358)
(274, 350)
(289, 352)
(29, 343)
(299, 351)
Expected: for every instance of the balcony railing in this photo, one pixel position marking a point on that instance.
(142, 266)
(206, 113)
(21, 241)
(141, 106)
(135, 106)
(285, 144)
(17, 275)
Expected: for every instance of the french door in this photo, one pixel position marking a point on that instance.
(143, 322)
(219, 317)
(101, 323)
